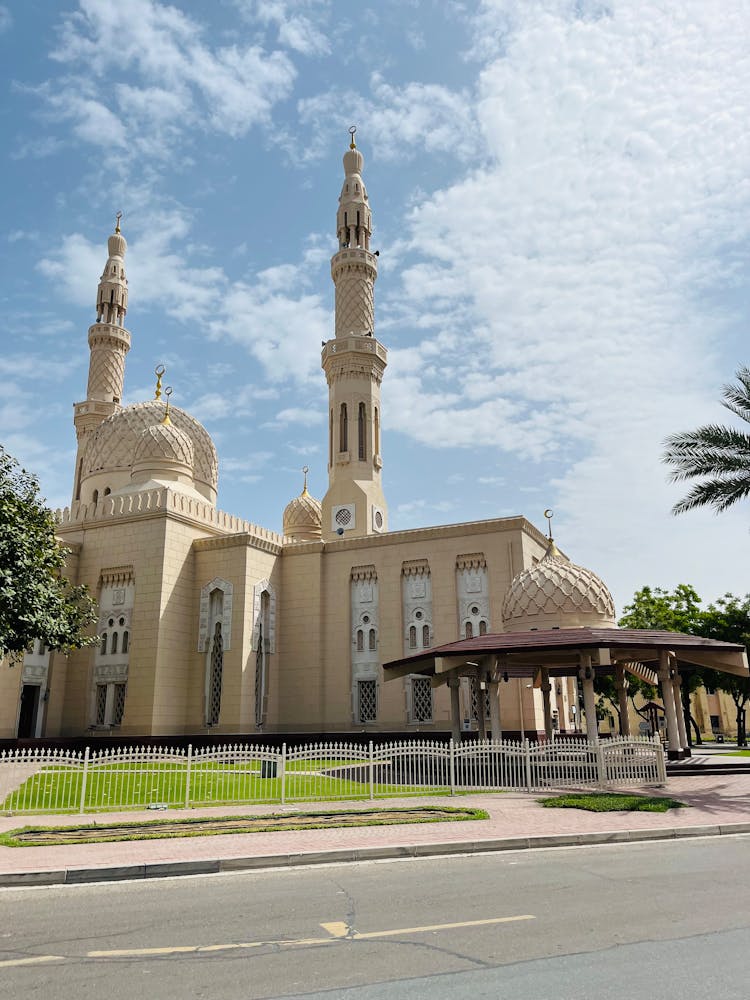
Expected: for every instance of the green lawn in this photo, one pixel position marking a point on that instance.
(735, 753)
(611, 802)
(137, 785)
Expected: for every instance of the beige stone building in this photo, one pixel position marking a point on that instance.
(211, 625)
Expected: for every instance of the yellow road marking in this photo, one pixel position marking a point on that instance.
(337, 930)
(37, 960)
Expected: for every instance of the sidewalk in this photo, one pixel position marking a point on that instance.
(719, 804)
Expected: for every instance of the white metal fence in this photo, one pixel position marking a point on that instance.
(48, 781)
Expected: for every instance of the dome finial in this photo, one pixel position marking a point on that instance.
(305, 470)
(167, 392)
(117, 222)
(552, 549)
(159, 371)
(352, 133)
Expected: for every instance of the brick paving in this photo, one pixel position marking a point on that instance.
(714, 800)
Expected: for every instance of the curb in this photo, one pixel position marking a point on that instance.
(170, 869)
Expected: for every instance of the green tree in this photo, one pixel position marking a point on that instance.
(681, 610)
(719, 455)
(36, 600)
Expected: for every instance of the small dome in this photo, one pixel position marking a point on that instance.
(353, 162)
(303, 518)
(163, 443)
(557, 593)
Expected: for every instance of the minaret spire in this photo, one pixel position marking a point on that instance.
(109, 342)
(354, 362)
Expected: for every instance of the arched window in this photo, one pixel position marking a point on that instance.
(125, 641)
(343, 429)
(377, 431)
(95, 497)
(483, 627)
(372, 639)
(114, 642)
(425, 635)
(330, 440)
(413, 637)
(361, 433)
(107, 491)
(469, 630)
(360, 640)
(103, 648)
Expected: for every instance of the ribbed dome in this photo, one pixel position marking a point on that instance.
(164, 443)
(303, 518)
(556, 592)
(112, 446)
(117, 245)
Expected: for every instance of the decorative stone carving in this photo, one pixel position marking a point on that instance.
(204, 613)
(264, 586)
(472, 588)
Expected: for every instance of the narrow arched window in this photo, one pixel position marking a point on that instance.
(103, 647)
(425, 635)
(483, 628)
(372, 638)
(114, 642)
(343, 429)
(125, 641)
(95, 497)
(330, 440)
(469, 630)
(360, 640)
(361, 433)
(377, 431)
(413, 637)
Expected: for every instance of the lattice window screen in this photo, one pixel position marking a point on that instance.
(367, 701)
(260, 678)
(217, 667)
(101, 704)
(475, 700)
(421, 699)
(119, 705)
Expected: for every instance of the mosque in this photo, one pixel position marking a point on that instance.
(213, 626)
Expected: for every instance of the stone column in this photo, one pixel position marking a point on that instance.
(589, 698)
(667, 694)
(679, 709)
(546, 691)
(453, 684)
(481, 721)
(621, 683)
(495, 727)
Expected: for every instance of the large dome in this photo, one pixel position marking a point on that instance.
(112, 446)
(303, 518)
(164, 444)
(557, 593)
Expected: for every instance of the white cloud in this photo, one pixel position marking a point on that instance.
(6, 19)
(296, 21)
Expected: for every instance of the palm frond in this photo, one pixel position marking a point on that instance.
(737, 397)
(717, 493)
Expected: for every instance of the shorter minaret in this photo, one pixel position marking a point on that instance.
(354, 362)
(109, 342)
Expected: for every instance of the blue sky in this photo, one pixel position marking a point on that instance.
(561, 200)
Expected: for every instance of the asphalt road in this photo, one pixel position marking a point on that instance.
(662, 920)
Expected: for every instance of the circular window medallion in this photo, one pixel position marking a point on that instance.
(366, 619)
(475, 610)
(111, 622)
(121, 621)
(378, 519)
(343, 516)
(418, 615)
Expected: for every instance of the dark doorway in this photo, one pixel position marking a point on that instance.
(29, 708)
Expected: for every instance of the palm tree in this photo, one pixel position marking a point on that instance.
(720, 454)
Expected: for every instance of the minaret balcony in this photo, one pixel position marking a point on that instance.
(363, 344)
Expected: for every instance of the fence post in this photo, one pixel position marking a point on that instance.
(661, 766)
(527, 762)
(187, 775)
(372, 773)
(83, 780)
(601, 769)
(283, 774)
(453, 766)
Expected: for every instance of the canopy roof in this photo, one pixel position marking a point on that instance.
(519, 654)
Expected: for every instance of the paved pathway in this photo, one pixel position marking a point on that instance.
(715, 801)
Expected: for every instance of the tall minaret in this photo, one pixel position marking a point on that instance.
(109, 342)
(354, 362)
